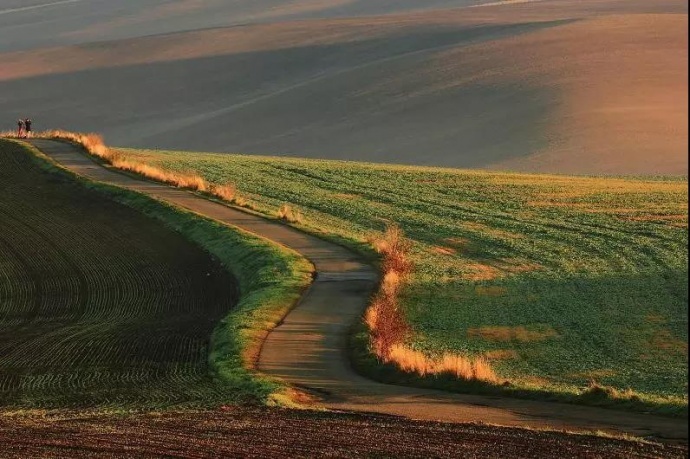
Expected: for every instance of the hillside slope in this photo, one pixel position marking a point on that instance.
(523, 86)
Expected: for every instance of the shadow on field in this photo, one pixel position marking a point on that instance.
(366, 99)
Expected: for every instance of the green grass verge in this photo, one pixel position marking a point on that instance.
(559, 280)
(271, 279)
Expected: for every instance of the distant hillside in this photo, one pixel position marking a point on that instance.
(550, 86)
(26, 24)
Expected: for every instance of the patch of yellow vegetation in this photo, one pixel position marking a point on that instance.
(458, 243)
(482, 272)
(519, 333)
(655, 319)
(444, 250)
(665, 342)
(289, 214)
(486, 229)
(496, 269)
(461, 367)
(501, 354)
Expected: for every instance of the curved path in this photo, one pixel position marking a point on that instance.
(307, 348)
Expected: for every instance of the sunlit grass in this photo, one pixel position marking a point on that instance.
(566, 270)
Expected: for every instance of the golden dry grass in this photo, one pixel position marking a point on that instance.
(225, 192)
(444, 250)
(389, 330)
(94, 144)
(665, 342)
(501, 354)
(290, 214)
(468, 369)
(600, 110)
(490, 290)
(394, 248)
(620, 105)
(387, 327)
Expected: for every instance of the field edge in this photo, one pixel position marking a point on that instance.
(271, 280)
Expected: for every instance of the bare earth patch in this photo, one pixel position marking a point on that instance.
(254, 432)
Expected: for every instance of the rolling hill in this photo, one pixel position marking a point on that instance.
(521, 86)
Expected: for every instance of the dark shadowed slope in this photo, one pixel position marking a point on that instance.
(522, 86)
(35, 23)
(99, 305)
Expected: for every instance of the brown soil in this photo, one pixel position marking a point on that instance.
(255, 432)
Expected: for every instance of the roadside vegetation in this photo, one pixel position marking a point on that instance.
(121, 302)
(568, 288)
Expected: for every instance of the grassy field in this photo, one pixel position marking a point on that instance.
(560, 281)
(111, 299)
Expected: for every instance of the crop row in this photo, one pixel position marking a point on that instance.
(99, 304)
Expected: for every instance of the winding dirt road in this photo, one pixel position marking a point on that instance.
(307, 348)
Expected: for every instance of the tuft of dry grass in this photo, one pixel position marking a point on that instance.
(394, 249)
(388, 329)
(188, 181)
(596, 391)
(458, 366)
(289, 214)
(227, 192)
(92, 142)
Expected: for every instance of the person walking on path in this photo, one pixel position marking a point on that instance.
(20, 128)
(27, 128)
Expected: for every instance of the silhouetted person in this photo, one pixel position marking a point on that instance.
(27, 127)
(20, 128)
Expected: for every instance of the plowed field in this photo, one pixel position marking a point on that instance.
(242, 432)
(99, 305)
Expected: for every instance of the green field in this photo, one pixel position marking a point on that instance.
(558, 280)
(105, 301)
